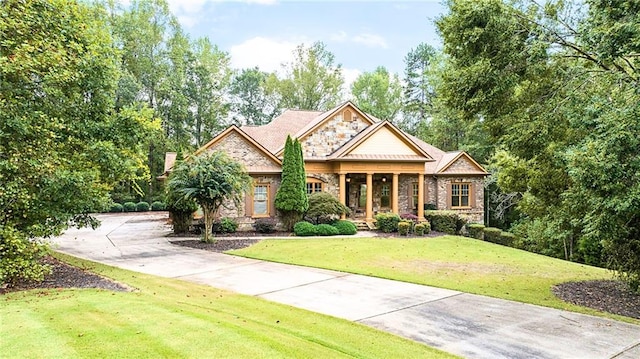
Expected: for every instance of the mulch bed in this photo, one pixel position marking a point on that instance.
(66, 276)
(611, 296)
(219, 246)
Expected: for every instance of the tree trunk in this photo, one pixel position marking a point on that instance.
(208, 222)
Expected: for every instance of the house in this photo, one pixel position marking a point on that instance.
(369, 165)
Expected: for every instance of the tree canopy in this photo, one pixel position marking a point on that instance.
(378, 93)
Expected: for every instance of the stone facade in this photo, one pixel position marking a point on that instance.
(237, 148)
(331, 182)
(331, 135)
(476, 211)
(244, 219)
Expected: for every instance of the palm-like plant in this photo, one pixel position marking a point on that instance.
(211, 180)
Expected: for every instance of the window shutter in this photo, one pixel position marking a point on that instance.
(273, 189)
(449, 192)
(472, 195)
(248, 203)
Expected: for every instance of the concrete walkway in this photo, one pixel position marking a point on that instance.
(469, 325)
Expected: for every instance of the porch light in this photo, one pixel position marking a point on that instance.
(384, 179)
(348, 179)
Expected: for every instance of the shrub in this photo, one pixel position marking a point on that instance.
(265, 225)
(324, 208)
(326, 230)
(181, 211)
(507, 239)
(304, 229)
(387, 222)
(409, 217)
(129, 207)
(404, 228)
(116, 207)
(225, 225)
(419, 229)
(492, 234)
(20, 257)
(158, 206)
(142, 206)
(345, 227)
(475, 230)
(445, 221)
(430, 207)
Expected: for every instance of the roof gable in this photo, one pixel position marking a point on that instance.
(244, 149)
(272, 135)
(382, 141)
(459, 163)
(345, 109)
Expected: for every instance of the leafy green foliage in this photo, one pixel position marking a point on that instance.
(251, 102)
(345, 227)
(387, 222)
(142, 206)
(378, 93)
(421, 229)
(116, 208)
(311, 82)
(324, 208)
(20, 257)
(445, 221)
(129, 206)
(225, 225)
(325, 229)
(404, 228)
(180, 209)
(304, 229)
(211, 180)
(265, 225)
(158, 206)
(492, 234)
(418, 91)
(291, 199)
(475, 230)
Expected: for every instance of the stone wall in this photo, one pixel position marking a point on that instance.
(473, 214)
(331, 182)
(332, 134)
(245, 221)
(240, 150)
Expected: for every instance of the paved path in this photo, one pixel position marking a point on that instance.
(469, 325)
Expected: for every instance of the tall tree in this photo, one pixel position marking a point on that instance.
(62, 145)
(312, 81)
(418, 89)
(291, 199)
(378, 93)
(211, 180)
(251, 102)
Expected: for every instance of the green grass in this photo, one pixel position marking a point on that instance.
(452, 262)
(176, 319)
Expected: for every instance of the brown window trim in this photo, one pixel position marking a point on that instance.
(469, 196)
(268, 193)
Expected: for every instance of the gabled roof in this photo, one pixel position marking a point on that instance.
(323, 117)
(450, 158)
(273, 135)
(348, 151)
(249, 139)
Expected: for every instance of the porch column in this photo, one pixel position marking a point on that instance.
(394, 194)
(420, 196)
(369, 214)
(342, 191)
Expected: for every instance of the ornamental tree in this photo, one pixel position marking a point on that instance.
(291, 198)
(211, 180)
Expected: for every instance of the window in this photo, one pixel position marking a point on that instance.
(314, 185)
(414, 195)
(261, 200)
(384, 195)
(460, 195)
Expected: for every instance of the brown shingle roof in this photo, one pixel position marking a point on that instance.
(274, 134)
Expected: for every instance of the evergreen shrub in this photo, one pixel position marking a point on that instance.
(158, 206)
(265, 225)
(419, 229)
(225, 225)
(129, 207)
(326, 230)
(116, 208)
(404, 228)
(304, 229)
(345, 227)
(448, 222)
(492, 234)
(475, 230)
(142, 206)
(387, 222)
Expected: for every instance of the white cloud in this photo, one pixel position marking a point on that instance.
(266, 53)
(349, 75)
(370, 40)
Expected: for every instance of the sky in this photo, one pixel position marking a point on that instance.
(361, 34)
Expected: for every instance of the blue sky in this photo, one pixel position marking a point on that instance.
(361, 34)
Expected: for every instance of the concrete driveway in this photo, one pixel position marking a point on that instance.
(469, 325)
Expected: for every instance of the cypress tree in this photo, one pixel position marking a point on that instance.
(291, 198)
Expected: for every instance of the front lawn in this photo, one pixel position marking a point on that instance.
(452, 262)
(176, 319)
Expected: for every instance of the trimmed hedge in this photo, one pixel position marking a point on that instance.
(142, 206)
(326, 230)
(345, 227)
(422, 228)
(158, 206)
(448, 222)
(404, 228)
(475, 230)
(492, 234)
(224, 225)
(507, 238)
(304, 229)
(129, 207)
(387, 222)
(116, 207)
(265, 225)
